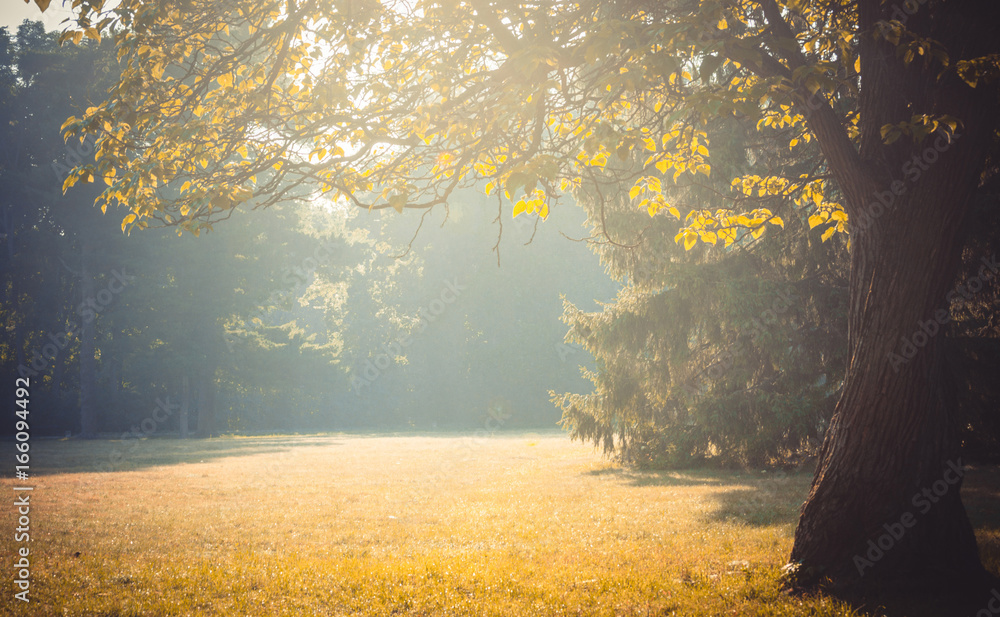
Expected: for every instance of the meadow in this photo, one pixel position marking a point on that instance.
(416, 524)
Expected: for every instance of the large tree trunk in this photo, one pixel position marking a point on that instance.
(884, 504)
(885, 499)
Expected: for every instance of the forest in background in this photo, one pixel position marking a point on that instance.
(302, 318)
(295, 318)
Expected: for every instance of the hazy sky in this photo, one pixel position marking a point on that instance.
(13, 12)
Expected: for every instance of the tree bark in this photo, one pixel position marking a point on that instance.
(885, 499)
(885, 502)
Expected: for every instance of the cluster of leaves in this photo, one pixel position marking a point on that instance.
(381, 104)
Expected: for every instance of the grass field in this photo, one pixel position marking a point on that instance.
(516, 524)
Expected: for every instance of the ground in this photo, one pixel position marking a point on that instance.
(445, 524)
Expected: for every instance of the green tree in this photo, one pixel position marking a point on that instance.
(397, 106)
(732, 355)
(734, 361)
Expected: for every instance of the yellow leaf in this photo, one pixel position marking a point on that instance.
(520, 207)
(690, 239)
(857, 64)
(397, 202)
(829, 232)
(776, 220)
(634, 191)
(128, 219)
(708, 236)
(662, 166)
(814, 220)
(722, 24)
(672, 210)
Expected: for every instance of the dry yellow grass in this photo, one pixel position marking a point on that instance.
(519, 524)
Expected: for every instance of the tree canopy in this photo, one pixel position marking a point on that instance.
(380, 104)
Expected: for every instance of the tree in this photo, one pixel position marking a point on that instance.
(734, 360)
(388, 105)
(48, 236)
(728, 356)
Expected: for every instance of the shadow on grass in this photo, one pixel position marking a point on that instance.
(674, 478)
(981, 496)
(749, 497)
(763, 504)
(50, 457)
(59, 456)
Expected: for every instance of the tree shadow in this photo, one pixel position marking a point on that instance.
(758, 498)
(762, 504)
(676, 478)
(66, 456)
(981, 496)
